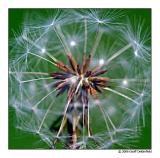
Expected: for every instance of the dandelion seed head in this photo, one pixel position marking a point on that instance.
(70, 35)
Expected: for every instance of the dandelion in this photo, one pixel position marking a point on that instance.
(80, 78)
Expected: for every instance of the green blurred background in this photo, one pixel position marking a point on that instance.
(24, 140)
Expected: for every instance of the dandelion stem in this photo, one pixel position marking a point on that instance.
(52, 57)
(83, 120)
(130, 90)
(88, 124)
(63, 120)
(37, 79)
(42, 58)
(61, 37)
(96, 43)
(119, 53)
(80, 82)
(85, 36)
(106, 122)
(43, 99)
(107, 115)
(130, 80)
(44, 117)
(26, 73)
(120, 94)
